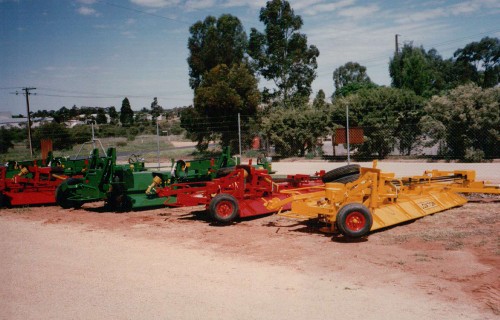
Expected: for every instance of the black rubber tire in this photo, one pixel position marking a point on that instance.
(117, 200)
(340, 172)
(222, 172)
(122, 203)
(354, 220)
(347, 179)
(4, 201)
(62, 194)
(223, 208)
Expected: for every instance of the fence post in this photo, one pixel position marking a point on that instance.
(239, 132)
(347, 135)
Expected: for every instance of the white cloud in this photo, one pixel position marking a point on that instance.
(301, 4)
(129, 34)
(458, 9)
(359, 11)
(424, 15)
(244, 3)
(370, 44)
(199, 4)
(155, 3)
(316, 7)
(87, 2)
(87, 11)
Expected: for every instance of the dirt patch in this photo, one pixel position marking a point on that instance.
(453, 256)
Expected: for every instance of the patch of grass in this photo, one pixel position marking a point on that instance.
(454, 245)
(21, 210)
(442, 234)
(421, 257)
(481, 243)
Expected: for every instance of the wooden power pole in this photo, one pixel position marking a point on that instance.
(27, 94)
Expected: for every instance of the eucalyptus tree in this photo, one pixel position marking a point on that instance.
(281, 53)
(213, 42)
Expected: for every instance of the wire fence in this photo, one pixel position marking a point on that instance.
(378, 141)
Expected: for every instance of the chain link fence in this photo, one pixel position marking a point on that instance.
(377, 141)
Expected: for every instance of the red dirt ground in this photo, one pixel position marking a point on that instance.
(453, 256)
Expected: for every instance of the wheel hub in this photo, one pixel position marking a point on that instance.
(355, 221)
(224, 209)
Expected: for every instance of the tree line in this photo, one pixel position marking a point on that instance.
(453, 103)
(109, 123)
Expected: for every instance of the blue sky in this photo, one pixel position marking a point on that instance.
(96, 52)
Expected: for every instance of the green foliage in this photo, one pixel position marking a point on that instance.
(473, 155)
(156, 110)
(482, 60)
(126, 113)
(58, 133)
(428, 74)
(410, 69)
(296, 131)
(194, 125)
(223, 93)
(113, 115)
(18, 134)
(214, 42)
(108, 130)
(80, 134)
(320, 101)
(101, 116)
(281, 53)
(132, 132)
(465, 120)
(141, 118)
(350, 74)
(6, 138)
(175, 128)
(389, 117)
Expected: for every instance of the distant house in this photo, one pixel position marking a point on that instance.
(6, 121)
(36, 122)
(74, 122)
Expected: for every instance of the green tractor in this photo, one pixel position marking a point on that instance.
(131, 186)
(60, 165)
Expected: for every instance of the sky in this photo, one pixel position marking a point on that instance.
(97, 52)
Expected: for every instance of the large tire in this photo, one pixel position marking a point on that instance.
(63, 193)
(222, 172)
(223, 208)
(340, 172)
(347, 179)
(122, 203)
(118, 200)
(354, 220)
(4, 201)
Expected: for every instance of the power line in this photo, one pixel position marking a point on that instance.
(94, 95)
(10, 88)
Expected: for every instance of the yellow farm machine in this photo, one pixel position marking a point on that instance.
(378, 199)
